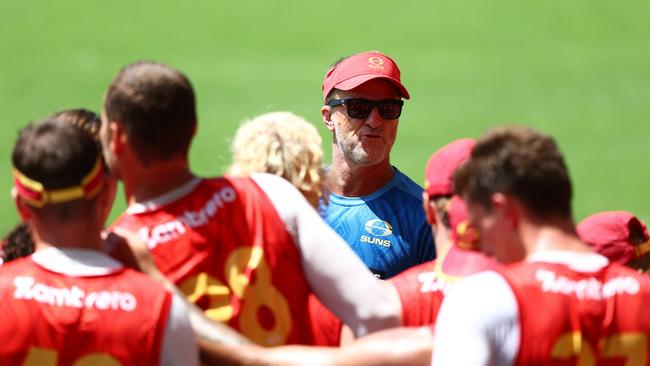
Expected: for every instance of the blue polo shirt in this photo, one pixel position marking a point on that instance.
(387, 229)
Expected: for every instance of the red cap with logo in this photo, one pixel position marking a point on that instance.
(439, 173)
(612, 234)
(360, 68)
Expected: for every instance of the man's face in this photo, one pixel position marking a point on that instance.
(498, 236)
(365, 141)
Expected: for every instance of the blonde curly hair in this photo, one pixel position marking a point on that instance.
(283, 144)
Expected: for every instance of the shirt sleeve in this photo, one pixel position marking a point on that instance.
(336, 275)
(480, 313)
(179, 342)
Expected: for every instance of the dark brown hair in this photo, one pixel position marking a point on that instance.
(521, 162)
(17, 243)
(57, 155)
(86, 120)
(156, 106)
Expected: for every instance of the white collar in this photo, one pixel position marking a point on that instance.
(165, 198)
(579, 261)
(76, 262)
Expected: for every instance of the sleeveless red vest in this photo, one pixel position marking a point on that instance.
(576, 318)
(225, 246)
(47, 318)
(421, 291)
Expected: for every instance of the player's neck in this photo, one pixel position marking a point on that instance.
(558, 234)
(351, 180)
(442, 237)
(146, 183)
(74, 235)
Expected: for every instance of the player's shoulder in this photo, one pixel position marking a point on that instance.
(624, 274)
(276, 187)
(419, 278)
(264, 179)
(16, 266)
(140, 281)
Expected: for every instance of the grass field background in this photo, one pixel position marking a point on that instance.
(578, 69)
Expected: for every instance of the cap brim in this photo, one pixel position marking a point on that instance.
(355, 81)
(438, 189)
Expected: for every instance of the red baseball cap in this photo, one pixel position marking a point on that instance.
(609, 233)
(439, 173)
(360, 68)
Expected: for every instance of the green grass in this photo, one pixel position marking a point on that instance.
(579, 70)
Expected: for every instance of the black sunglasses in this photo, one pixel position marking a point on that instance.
(361, 108)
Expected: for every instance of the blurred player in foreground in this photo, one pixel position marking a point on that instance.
(556, 302)
(69, 303)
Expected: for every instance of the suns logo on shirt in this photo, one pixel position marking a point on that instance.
(377, 228)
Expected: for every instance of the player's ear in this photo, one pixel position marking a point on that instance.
(119, 138)
(24, 210)
(326, 112)
(429, 209)
(508, 207)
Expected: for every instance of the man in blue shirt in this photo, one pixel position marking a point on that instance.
(373, 206)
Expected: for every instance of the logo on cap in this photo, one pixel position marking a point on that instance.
(467, 236)
(378, 227)
(376, 63)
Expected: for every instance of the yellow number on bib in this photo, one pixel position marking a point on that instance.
(46, 357)
(216, 293)
(40, 357)
(258, 296)
(96, 360)
(571, 344)
(249, 278)
(633, 346)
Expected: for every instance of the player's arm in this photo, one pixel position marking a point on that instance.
(208, 330)
(213, 354)
(338, 277)
(392, 347)
(398, 346)
(347, 336)
(133, 248)
(179, 347)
